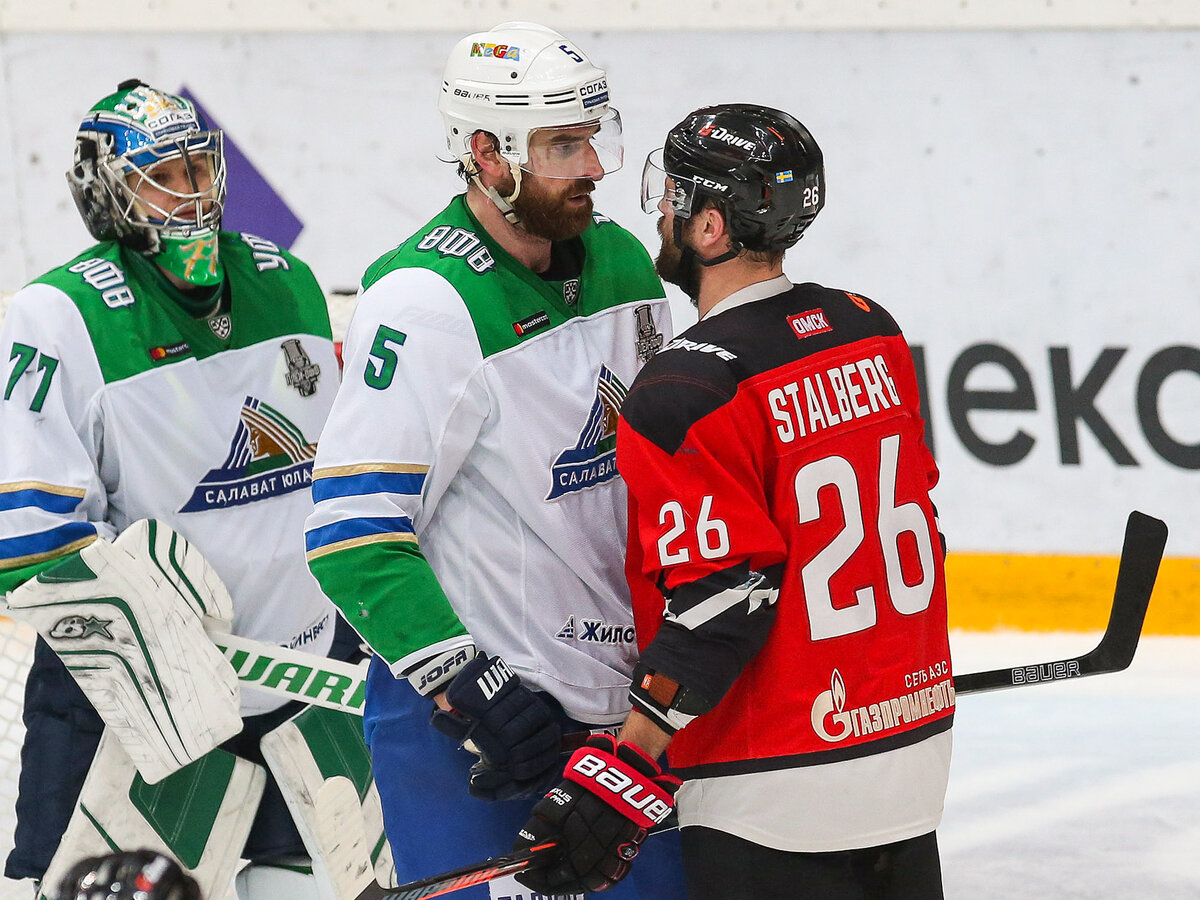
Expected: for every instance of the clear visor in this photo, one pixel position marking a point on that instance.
(587, 150)
(175, 184)
(657, 184)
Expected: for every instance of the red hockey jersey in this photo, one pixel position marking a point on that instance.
(784, 435)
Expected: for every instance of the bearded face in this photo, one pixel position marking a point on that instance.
(556, 209)
(669, 262)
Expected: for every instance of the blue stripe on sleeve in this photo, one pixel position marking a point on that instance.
(31, 497)
(355, 528)
(367, 483)
(45, 541)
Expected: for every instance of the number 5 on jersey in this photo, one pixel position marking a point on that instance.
(381, 362)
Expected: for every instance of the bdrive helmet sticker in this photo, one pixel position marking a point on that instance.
(593, 459)
(718, 133)
(268, 457)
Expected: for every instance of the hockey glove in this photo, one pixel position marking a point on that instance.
(611, 795)
(513, 730)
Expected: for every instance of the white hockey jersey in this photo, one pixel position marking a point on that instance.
(466, 486)
(119, 406)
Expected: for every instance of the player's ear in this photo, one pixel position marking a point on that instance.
(711, 232)
(485, 147)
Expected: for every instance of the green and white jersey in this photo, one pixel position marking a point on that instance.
(119, 406)
(466, 487)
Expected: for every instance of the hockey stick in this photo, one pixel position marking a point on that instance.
(1141, 554)
(294, 674)
(479, 873)
(1145, 538)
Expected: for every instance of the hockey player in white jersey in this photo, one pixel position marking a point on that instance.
(171, 372)
(469, 518)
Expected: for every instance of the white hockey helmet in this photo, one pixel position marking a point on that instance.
(520, 78)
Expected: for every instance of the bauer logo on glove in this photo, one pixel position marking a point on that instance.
(611, 795)
(642, 802)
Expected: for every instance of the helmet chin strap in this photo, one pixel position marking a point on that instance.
(504, 204)
(690, 262)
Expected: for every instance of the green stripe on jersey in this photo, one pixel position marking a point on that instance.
(390, 595)
(136, 325)
(500, 294)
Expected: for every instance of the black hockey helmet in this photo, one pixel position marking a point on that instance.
(761, 165)
(128, 875)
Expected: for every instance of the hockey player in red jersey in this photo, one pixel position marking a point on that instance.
(784, 561)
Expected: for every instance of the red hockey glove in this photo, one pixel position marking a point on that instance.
(611, 796)
(517, 736)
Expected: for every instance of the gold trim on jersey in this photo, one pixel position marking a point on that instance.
(61, 490)
(360, 542)
(366, 468)
(18, 561)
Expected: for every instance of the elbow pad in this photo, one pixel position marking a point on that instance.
(711, 629)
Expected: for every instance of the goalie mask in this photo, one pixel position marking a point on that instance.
(150, 173)
(542, 98)
(761, 166)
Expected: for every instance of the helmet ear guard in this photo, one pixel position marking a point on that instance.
(83, 180)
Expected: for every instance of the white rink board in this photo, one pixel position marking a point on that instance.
(1031, 190)
(588, 15)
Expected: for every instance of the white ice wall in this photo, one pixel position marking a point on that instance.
(1030, 189)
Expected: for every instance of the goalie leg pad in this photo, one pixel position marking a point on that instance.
(321, 764)
(62, 732)
(127, 618)
(199, 816)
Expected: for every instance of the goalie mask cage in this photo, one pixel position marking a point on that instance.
(16, 654)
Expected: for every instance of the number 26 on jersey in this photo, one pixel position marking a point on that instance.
(849, 615)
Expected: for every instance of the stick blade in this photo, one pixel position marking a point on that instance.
(1141, 555)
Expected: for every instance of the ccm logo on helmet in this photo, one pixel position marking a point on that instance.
(710, 184)
(720, 134)
(638, 796)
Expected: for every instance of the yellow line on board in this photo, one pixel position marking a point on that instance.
(1063, 593)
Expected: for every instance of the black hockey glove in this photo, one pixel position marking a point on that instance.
(611, 795)
(513, 730)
